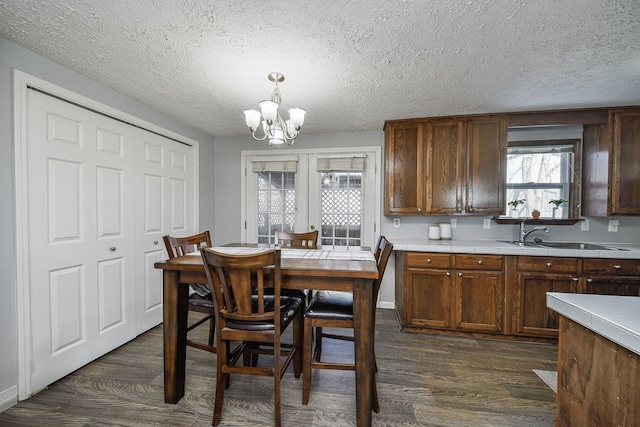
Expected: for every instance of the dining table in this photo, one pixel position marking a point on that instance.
(352, 270)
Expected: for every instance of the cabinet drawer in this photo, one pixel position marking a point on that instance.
(623, 267)
(421, 259)
(479, 262)
(549, 264)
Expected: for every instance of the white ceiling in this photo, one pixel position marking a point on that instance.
(351, 64)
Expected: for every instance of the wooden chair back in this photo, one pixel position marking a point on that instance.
(179, 246)
(237, 280)
(297, 240)
(382, 254)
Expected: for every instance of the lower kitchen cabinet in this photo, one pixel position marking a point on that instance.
(478, 292)
(493, 295)
(535, 277)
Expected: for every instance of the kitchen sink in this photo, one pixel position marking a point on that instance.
(564, 245)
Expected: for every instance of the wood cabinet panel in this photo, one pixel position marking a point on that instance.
(549, 264)
(431, 260)
(486, 165)
(479, 301)
(445, 142)
(479, 262)
(625, 157)
(629, 267)
(530, 312)
(428, 301)
(612, 285)
(404, 168)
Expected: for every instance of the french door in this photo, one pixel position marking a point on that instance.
(334, 191)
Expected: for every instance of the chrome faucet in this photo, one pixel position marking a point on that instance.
(524, 232)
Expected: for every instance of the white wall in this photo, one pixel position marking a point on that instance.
(13, 56)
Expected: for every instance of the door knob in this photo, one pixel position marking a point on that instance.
(112, 248)
(155, 242)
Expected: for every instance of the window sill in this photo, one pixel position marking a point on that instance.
(540, 221)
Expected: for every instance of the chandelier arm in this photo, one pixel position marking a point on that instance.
(256, 137)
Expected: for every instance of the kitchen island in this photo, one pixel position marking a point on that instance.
(598, 359)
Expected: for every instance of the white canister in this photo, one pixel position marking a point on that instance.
(434, 232)
(445, 230)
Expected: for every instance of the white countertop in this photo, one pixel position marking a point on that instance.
(613, 317)
(503, 248)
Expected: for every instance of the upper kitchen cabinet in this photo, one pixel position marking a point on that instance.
(611, 183)
(446, 166)
(404, 168)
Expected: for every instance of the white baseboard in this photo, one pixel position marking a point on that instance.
(8, 398)
(387, 304)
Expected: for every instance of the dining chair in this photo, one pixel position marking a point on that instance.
(333, 309)
(297, 240)
(245, 316)
(200, 301)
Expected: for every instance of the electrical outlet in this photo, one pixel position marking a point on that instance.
(486, 223)
(584, 225)
(454, 223)
(613, 225)
(396, 222)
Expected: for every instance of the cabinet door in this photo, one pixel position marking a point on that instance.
(486, 162)
(531, 316)
(625, 157)
(479, 301)
(428, 297)
(612, 285)
(445, 149)
(404, 169)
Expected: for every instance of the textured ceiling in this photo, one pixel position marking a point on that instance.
(351, 64)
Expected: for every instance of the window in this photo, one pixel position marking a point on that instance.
(276, 204)
(342, 200)
(540, 171)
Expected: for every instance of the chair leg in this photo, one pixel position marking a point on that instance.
(277, 377)
(318, 350)
(298, 337)
(221, 381)
(212, 330)
(306, 360)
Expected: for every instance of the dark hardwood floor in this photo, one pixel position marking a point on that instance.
(423, 380)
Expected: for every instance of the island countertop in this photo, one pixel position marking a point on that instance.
(616, 318)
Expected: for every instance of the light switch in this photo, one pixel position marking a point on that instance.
(613, 225)
(584, 225)
(486, 223)
(454, 222)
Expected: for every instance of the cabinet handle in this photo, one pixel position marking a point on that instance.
(617, 266)
(480, 261)
(428, 260)
(419, 209)
(459, 274)
(589, 280)
(548, 264)
(575, 279)
(472, 209)
(112, 248)
(447, 273)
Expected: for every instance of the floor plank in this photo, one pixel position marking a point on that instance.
(423, 380)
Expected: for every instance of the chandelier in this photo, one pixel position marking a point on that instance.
(275, 128)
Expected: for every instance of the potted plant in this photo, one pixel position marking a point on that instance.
(514, 206)
(535, 213)
(556, 204)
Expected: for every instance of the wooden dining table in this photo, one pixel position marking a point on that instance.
(338, 270)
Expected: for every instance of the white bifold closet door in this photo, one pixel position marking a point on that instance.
(100, 199)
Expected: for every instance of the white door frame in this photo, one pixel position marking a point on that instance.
(305, 153)
(21, 82)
